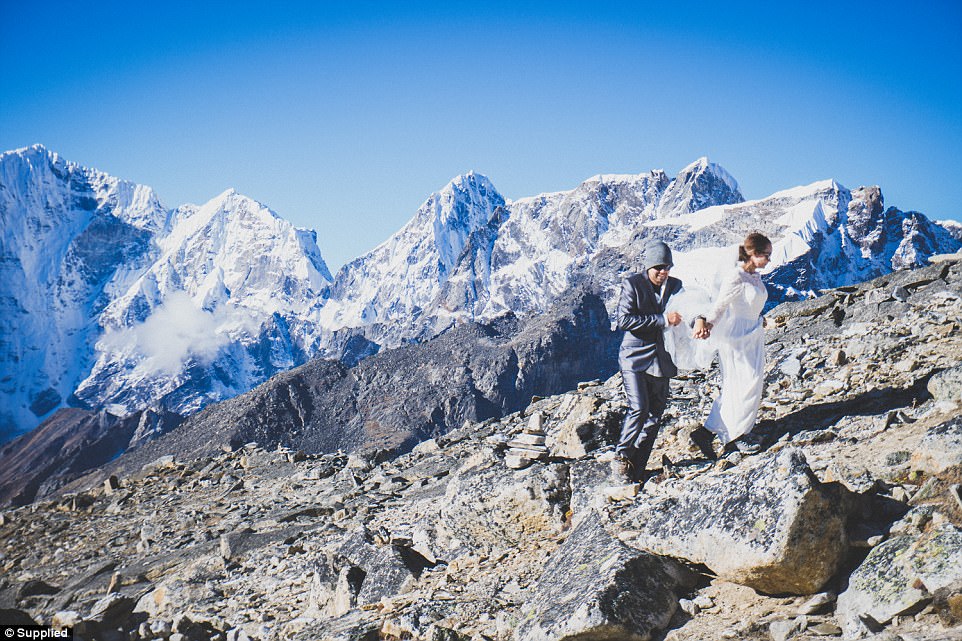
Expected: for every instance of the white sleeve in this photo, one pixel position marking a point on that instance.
(730, 290)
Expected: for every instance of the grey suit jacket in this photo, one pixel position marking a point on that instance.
(642, 317)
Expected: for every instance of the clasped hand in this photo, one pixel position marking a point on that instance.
(702, 329)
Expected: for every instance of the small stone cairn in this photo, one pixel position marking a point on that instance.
(527, 446)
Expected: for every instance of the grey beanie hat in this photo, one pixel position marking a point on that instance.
(657, 253)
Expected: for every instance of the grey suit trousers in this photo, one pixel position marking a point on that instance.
(647, 399)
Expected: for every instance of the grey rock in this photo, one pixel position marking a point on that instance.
(791, 366)
(588, 477)
(582, 427)
(112, 608)
(771, 525)
(899, 575)
(13, 616)
(160, 628)
(111, 484)
(783, 629)
(940, 449)
(689, 607)
(486, 507)
(818, 603)
(34, 587)
(825, 629)
(238, 634)
(704, 602)
(595, 587)
(353, 626)
(946, 385)
(876, 296)
(66, 618)
(366, 572)
(955, 493)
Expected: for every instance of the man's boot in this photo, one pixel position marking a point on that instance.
(621, 470)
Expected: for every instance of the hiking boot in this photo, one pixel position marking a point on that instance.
(704, 441)
(622, 470)
(742, 447)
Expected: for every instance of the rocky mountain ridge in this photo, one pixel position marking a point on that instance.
(847, 523)
(195, 305)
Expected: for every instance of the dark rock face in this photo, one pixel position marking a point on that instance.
(865, 218)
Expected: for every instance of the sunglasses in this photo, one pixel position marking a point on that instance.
(661, 268)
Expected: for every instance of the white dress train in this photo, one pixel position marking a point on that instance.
(739, 336)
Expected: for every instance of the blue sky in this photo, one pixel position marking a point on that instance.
(344, 117)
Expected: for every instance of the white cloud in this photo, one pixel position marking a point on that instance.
(177, 331)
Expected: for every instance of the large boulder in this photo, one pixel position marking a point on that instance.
(594, 587)
(899, 576)
(361, 573)
(768, 524)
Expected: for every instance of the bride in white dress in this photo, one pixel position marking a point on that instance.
(736, 327)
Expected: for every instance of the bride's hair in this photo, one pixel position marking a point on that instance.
(753, 243)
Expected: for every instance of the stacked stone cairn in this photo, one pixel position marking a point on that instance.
(529, 445)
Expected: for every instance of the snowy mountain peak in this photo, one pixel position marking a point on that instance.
(464, 205)
(402, 275)
(704, 166)
(472, 188)
(36, 150)
(700, 185)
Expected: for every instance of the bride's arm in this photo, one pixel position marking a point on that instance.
(730, 290)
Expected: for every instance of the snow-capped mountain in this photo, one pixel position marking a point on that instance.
(392, 284)
(824, 236)
(549, 241)
(110, 300)
(469, 254)
(226, 304)
(67, 235)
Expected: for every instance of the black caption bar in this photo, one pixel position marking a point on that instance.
(34, 632)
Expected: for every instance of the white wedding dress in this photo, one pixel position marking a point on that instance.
(739, 336)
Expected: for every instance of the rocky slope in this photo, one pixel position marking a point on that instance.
(845, 524)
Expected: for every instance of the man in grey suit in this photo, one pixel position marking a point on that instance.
(646, 366)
